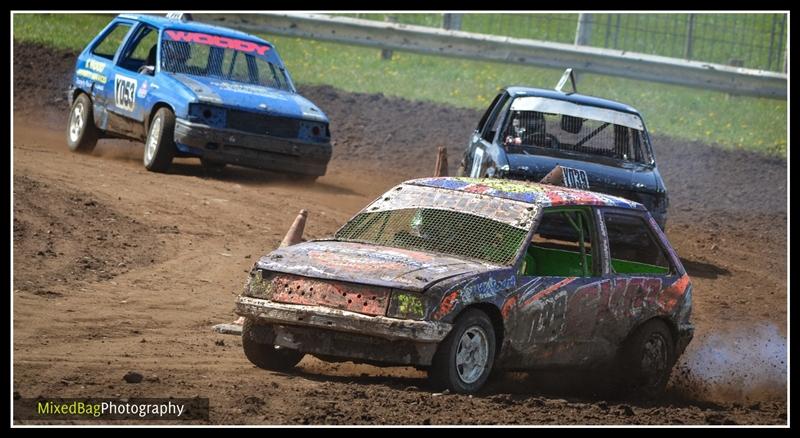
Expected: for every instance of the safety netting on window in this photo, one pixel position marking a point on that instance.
(441, 231)
(562, 132)
(229, 59)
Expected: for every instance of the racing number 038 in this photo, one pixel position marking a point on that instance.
(125, 92)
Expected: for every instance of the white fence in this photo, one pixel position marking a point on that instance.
(387, 35)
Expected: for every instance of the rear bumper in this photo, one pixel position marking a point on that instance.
(253, 150)
(685, 335)
(339, 333)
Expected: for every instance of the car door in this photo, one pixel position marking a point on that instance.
(128, 98)
(480, 147)
(551, 320)
(645, 278)
(96, 70)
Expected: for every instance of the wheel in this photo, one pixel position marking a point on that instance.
(212, 167)
(647, 360)
(159, 148)
(82, 135)
(263, 354)
(464, 359)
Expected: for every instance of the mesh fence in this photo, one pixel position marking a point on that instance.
(535, 129)
(441, 231)
(221, 63)
(752, 40)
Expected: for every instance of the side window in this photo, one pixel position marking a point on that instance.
(142, 51)
(634, 248)
(485, 116)
(493, 124)
(562, 245)
(108, 46)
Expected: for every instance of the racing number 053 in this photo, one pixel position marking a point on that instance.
(125, 92)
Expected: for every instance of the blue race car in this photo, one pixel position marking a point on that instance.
(188, 89)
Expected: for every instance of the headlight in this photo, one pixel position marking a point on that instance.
(207, 114)
(259, 285)
(406, 305)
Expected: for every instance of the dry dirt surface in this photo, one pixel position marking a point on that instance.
(117, 269)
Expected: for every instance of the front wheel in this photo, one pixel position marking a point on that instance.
(82, 135)
(262, 353)
(647, 360)
(159, 148)
(464, 359)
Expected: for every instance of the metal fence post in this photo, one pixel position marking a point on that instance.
(451, 21)
(687, 50)
(387, 53)
(583, 33)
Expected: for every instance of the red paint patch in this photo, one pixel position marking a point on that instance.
(507, 306)
(446, 306)
(670, 296)
(311, 292)
(216, 41)
(549, 290)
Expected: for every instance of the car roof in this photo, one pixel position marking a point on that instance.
(580, 99)
(164, 22)
(543, 195)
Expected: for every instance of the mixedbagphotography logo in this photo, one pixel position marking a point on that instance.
(175, 409)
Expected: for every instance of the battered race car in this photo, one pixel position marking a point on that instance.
(460, 276)
(602, 144)
(193, 90)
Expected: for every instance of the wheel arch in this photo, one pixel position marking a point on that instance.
(496, 318)
(153, 110)
(671, 325)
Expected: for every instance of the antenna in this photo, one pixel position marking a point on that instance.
(567, 75)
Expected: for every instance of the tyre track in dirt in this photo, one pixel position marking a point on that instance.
(197, 236)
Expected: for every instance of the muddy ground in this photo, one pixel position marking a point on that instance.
(117, 269)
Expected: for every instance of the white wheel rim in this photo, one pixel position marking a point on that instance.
(76, 123)
(472, 354)
(152, 141)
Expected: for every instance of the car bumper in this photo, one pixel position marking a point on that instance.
(685, 335)
(332, 332)
(253, 150)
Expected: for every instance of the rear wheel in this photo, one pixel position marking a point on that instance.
(647, 360)
(82, 135)
(464, 359)
(159, 148)
(259, 350)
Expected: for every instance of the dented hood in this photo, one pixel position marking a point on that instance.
(368, 264)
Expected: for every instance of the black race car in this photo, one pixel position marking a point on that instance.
(601, 145)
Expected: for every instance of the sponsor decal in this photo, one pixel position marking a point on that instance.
(249, 89)
(216, 41)
(97, 77)
(125, 92)
(142, 93)
(95, 65)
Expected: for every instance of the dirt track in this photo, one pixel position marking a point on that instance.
(117, 269)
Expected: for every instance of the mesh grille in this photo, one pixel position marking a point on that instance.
(261, 124)
(567, 133)
(442, 231)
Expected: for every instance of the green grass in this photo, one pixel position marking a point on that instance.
(731, 121)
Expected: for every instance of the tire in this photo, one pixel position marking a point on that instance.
(212, 167)
(460, 369)
(647, 358)
(265, 355)
(82, 135)
(159, 147)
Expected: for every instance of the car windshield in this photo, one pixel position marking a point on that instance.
(539, 123)
(229, 59)
(433, 230)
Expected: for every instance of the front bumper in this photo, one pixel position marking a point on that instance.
(333, 332)
(253, 150)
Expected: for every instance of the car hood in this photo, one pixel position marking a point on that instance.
(629, 176)
(250, 97)
(368, 264)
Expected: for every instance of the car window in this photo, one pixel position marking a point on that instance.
(486, 114)
(107, 47)
(634, 249)
(142, 51)
(562, 245)
(496, 118)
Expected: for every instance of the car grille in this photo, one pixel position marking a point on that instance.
(292, 289)
(263, 124)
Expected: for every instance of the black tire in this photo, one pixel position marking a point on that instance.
(212, 167)
(446, 373)
(159, 146)
(264, 354)
(82, 134)
(647, 358)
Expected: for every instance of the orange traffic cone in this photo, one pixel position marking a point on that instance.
(441, 162)
(295, 233)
